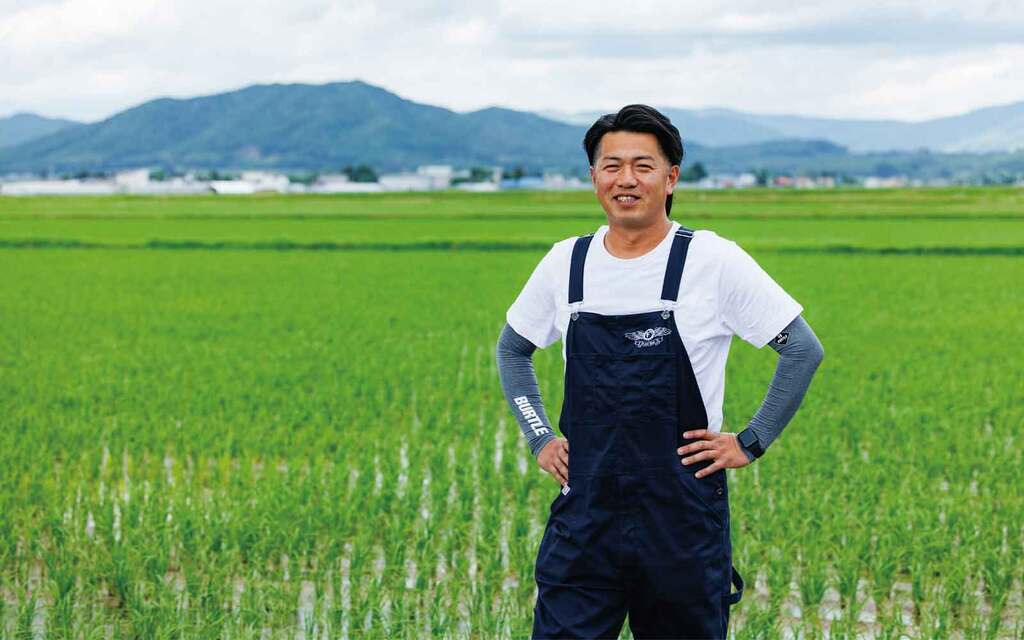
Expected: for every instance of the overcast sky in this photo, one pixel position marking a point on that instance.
(88, 59)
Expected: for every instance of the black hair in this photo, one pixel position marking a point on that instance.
(638, 118)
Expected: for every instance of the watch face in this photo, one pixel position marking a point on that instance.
(749, 440)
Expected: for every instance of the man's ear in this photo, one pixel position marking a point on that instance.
(673, 178)
(593, 177)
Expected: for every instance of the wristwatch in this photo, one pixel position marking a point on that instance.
(749, 442)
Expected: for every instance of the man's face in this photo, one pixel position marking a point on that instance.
(632, 177)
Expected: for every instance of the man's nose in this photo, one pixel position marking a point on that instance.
(627, 177)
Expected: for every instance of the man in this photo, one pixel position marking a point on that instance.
(646, 310)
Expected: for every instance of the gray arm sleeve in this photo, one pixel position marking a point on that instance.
(800, 353)
(514, 355)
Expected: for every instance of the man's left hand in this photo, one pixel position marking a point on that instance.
(723, 448)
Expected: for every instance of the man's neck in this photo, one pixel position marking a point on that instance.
(628, 243)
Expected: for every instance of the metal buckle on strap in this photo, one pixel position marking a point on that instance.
(666, 308)
(575, 306)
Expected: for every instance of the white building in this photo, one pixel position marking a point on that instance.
(340, 183)
(405, 182)
(132, 180)
(58, 187)
(347, 187)
(477, 186)
(232, 187)
(174, 186)
(137, 181)
(746, 180)
(440, 174)
(266, 181)
(426, 178)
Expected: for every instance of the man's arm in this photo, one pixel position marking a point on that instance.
(514, 355)
(800, 353)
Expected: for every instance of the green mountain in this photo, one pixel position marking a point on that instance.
(22, 127)
(299, 126)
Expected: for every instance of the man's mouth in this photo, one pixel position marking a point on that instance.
(626, 199)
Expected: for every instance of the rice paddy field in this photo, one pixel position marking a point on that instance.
(279, 417)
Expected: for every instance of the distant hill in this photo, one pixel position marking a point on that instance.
(820, 157)
(22, 127)
(991, 129)
(302, 126)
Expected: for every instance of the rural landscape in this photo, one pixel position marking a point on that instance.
(279, 416)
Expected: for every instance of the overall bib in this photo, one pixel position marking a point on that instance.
(633, 532)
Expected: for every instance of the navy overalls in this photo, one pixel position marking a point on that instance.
(633, 531)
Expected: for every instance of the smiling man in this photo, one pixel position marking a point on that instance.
(646, 310)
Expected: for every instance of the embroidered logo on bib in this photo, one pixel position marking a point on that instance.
(648, 337)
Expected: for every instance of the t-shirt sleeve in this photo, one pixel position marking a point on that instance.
(751, 304)
(532, 315)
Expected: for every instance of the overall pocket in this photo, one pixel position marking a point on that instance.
(646, 388)
(709, 491)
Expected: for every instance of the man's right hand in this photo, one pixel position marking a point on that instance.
(554, 458)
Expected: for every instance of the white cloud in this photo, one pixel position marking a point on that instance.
(914, 59)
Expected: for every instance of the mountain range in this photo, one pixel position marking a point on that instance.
(991, 129)
(329, 126)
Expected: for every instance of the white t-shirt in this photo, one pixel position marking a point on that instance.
(724, 292)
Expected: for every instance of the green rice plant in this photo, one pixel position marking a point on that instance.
(62, 573)
(26, 614)
(812, 582)
(760, 623)
(884, 562)
(781, 560)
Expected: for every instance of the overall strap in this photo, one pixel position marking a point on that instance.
(676, 261)
(737, 581)
(579, 256)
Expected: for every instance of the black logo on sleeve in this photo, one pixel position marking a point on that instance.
(782, 338)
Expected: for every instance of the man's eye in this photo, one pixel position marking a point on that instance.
(612, 167)
(646, 166)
